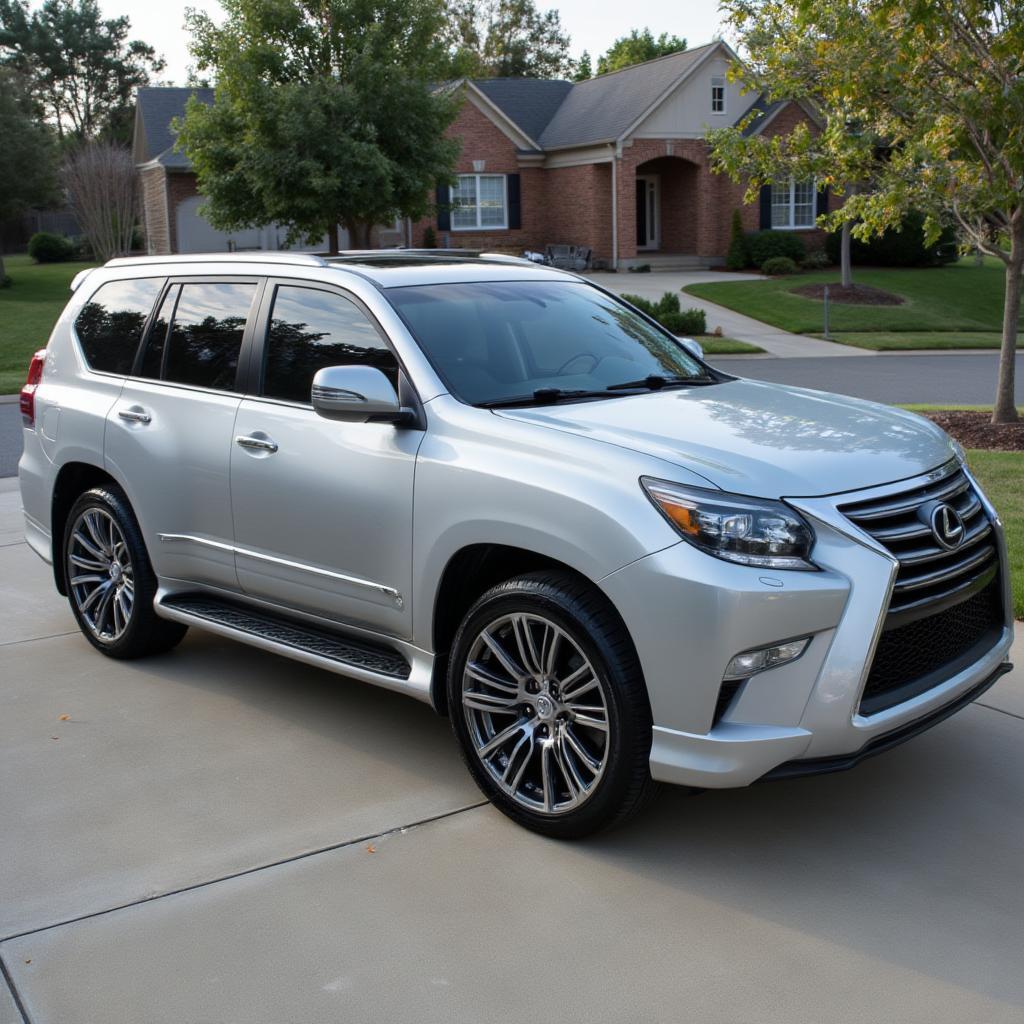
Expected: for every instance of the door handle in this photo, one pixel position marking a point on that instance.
(135, 415)
(260, 444)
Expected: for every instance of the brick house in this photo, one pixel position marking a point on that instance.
(618, 163)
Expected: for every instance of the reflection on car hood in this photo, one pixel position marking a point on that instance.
(762, 439)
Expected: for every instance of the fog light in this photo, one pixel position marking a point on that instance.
(751, 662)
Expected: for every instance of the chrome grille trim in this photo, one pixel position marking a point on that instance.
(928, 573)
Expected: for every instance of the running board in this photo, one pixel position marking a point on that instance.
(336, 652)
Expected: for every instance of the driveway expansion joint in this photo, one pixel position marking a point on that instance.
(13, 989)
(238, 874)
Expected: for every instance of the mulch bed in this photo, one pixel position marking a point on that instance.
(855, 295)
(974, 430)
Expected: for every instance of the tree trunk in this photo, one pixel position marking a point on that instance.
(359, 234)
(332, 239)
(1005, 410)
(845, 270)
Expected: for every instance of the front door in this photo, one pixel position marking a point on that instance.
(648, 212)
(322, 509)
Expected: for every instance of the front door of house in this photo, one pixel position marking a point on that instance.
(648, 212)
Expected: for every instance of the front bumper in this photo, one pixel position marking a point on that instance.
(689, 614)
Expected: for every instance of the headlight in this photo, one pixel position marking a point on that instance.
(750, 531)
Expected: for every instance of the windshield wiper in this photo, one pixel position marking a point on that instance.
(657, 381)
(543, 396)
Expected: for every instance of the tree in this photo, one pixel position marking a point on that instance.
(921, 104)
(101, 185)
(637, 47)
(506, 39)
(583, 71)
(27, 154)
(322, 115)
(83, 68)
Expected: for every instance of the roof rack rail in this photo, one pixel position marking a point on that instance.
(303, 258)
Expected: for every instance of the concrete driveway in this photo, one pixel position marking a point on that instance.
(218, 835)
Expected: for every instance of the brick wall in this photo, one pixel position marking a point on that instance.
(581, 210)
(154, 210)
(180, 186)
(483, 140)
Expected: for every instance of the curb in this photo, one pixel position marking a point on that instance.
(8, 399)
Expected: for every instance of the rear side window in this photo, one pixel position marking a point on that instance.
(110, 324)
(310, 329)
(205, 335)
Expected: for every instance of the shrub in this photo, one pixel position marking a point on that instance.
(644, 305)
(898, 247)
(816, 260)
(778, 266)
(429, 238)
(688, 321)
(738, 257)
(668, 303)
(45, 247)
(763, 245)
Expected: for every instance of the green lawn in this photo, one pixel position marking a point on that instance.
(1001, 474)
(961, 297)
(28, 311)
(891, 341)
(725, 346)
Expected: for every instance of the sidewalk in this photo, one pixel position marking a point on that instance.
(734, 325)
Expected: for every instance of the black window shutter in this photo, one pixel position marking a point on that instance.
(444, 208)
(515, 206)
(766, 207)
(822, 201)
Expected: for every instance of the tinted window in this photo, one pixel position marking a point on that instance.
(153, 356)
(111, 323)
(206, 334)
(508, 339)
(310, 329)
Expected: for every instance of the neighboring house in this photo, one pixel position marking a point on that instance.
(618, 163)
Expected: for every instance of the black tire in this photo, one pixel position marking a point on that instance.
(586, 617)
(141, 632)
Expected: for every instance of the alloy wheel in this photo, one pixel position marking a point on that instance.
(100, 574)
(537, 713)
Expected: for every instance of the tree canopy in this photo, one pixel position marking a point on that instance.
(83, 68)
(506, 39)
(922, 108)
(27, 158)
(638, 46)
(323, 114)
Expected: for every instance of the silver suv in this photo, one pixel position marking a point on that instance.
(500, 489)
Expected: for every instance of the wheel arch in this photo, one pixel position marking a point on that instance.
(470, 572)
(73, 479)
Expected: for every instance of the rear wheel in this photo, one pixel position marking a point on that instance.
(110, 582)
(548, 703)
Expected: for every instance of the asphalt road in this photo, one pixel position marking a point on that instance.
(221, 835)
(941, 379)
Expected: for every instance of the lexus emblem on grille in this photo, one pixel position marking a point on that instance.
(947, 526)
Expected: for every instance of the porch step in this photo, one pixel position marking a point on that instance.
(287, 636)
(658, 261)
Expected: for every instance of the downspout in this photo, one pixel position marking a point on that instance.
(616, 152)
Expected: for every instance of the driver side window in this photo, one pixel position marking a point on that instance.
(310, 329)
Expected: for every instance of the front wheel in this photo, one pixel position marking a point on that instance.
(548, 703)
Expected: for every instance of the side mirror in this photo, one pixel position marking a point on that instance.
(355, 394)
(695, 348)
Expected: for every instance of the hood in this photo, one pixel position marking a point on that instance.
(767, 440)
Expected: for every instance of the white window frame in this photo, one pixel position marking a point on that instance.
(718, 82)
(478, 226)
(791, 205)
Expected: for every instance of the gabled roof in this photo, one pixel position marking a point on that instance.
(156, 108)
(603, 109)
(530, 103)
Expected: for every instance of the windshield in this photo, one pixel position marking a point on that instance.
(501, 341)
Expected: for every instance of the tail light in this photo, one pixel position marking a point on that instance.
(27, 400)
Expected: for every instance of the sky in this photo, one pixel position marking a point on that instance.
(593, 25)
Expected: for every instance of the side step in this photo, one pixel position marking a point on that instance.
(331, 650)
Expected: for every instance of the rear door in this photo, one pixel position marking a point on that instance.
(322, 509)
(169, 435)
